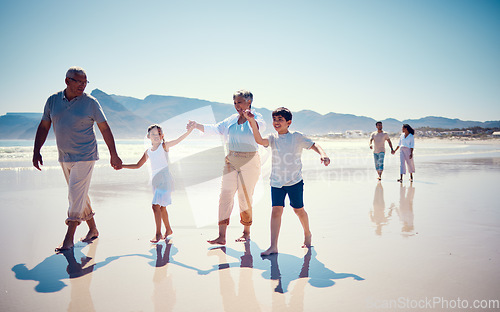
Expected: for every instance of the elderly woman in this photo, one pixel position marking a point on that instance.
(407, 144)
(242, 164)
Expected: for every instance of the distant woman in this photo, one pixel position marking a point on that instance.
(407, 144)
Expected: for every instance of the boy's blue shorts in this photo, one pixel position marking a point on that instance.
(295, 194)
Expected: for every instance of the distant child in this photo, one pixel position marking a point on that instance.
(160, 176)
(286, 173)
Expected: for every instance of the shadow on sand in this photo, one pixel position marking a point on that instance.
(51, 272)
(281, 267)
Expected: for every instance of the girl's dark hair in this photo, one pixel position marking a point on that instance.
(410, 129)
(283, 112)
(157, 126)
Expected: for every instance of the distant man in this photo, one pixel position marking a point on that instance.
(378, 139)
(73, 114)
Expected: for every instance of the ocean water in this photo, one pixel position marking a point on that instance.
(354, 153)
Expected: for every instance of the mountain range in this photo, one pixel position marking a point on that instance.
(128, 118)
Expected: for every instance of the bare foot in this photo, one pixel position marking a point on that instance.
(307, 241)
(218, 241)
(91, 235)
(64, 247)
(167, 233)
(244, 238)
(156, 239)
(271, 250)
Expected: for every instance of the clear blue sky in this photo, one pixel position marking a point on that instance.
(402, 59)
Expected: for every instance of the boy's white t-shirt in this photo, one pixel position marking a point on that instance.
(286, 157)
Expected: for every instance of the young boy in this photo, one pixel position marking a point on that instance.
(286, 173)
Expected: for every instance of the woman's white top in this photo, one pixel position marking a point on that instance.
(239, 138)
(408, 141)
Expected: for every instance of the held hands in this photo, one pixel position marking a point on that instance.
(116, 162)
(191, 125)
(325, 160)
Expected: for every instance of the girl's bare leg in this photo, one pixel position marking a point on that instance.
(157, 215)
(164, 217)
(304, 220)
(275, 230)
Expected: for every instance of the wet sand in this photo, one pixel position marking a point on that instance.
(376, 245)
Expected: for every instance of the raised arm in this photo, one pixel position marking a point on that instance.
(255, 128)
(190, 128)
(137, 165)
(107, 135)
(41, 136)
(324, 159)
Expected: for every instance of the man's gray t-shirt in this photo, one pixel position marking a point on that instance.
(286, 153)
(73, 123)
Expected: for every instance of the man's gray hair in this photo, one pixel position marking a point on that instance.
(75, 70)
(247, 95)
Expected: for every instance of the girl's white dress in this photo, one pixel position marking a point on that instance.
(161, 179)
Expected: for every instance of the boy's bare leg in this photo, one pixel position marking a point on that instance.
(157, 214)
(379, 174)
(246, 234)
(275, 230)
(164, 216)
(221, 240)
(93, 233)
(68, 239)
(304, 220)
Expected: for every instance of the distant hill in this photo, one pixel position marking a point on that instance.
(446, 123)
(20, 126)
(129, 117)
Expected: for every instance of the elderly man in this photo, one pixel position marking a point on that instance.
(73, 113)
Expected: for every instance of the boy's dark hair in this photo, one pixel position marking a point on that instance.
(283, 112)
(378, 122)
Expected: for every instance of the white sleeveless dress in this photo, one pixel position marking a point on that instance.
(161, 179)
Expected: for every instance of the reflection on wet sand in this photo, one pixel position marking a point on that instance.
(285, 270)
(80, 279)
(281, 270)
(377, 215)
(405, 210)
(164, 296)
(51, 272)
(233, 299)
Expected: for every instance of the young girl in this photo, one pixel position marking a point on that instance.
(161, 179)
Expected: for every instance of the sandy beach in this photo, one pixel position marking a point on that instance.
(427, 245)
